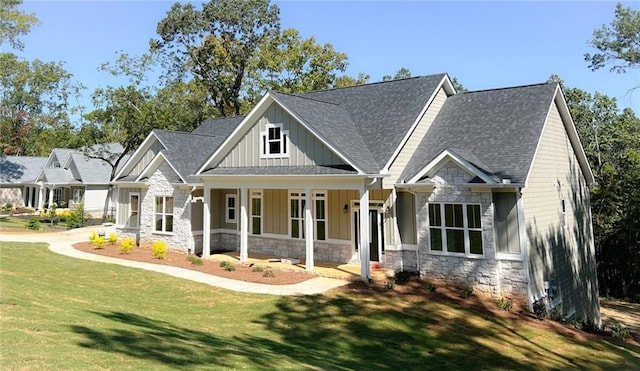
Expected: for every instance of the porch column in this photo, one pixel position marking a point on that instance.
(50, 197)
(244, 225)
(40, 197)
(364, 234)
(308, 229)
(206, 222)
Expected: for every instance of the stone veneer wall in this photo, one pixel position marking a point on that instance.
(159, 185)
(485, 273)
(294, 248)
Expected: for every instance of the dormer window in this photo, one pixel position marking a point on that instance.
(273, 142)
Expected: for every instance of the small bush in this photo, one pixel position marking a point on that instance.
(33, 224)
(466, 292)
(194, 260)
(505, 304)
(403, 277)
(227, 266)
(98, 242)
(159, 249)
(430, 286)
(93, 235)
(113, 238)
(390, 283)
(126, 246)
(74, 220)
(540, 308)
(619, 332)
(258, 268)
(269, 273)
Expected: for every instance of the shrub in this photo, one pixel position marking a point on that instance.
(466, 292)
(33, 224)
(269, 273)
(93, 235)
(540, 308)
(505, 304)
(194, 260)
(126, 246)
(619, 332)
(113, 238)
(159, 249)
(258, 268)
(390, 283)
(227, 266)
(98, 242)
(430, 286)
(403, 277)
(74, 220)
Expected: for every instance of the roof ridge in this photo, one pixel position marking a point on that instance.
(184, 132)
(304, 97)
(377, 82)
(507, 88)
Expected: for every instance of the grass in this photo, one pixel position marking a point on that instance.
(17, 223)
(62, 313)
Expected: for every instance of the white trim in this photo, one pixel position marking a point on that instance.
(507, 256)
(233, 196)
(144, 146)
(153, 165)
(465, 228)
(164, 214)
(440, 161)
(257, 194)
(139, 207)
(445, 84)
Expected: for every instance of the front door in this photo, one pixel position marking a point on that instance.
(376, 236)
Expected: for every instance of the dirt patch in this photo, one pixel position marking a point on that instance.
(176, 259)
(622, 313)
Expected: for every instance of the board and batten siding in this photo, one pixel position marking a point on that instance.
(274, 211)
(153, 150)
(219, 209)
(123, 203)
(304, 148)
(399, 163)
(560, 247)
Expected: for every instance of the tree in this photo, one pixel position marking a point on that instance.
(402, 73)
(14, 23)
(618, 43)
(216, 44)
(344, 81)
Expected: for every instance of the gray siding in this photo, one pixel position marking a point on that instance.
(304, 148)
(153, 150)
(506, 222)
(561, 253)
(398, 165)
(274, 211)
(406, 215)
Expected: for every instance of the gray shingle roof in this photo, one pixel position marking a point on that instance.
(218, 126)
(59, 175)
(496, 130)
(91, 170)
(282, 170)
(383, 112)
(187, 151)
(333, 124)
(20, 169)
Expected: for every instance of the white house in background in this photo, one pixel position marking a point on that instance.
(67, 177)
(486, 188)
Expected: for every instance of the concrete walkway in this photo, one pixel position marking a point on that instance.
(61, 243)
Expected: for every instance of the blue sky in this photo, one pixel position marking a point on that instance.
(484, 44)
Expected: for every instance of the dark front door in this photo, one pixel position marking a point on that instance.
(375, 233)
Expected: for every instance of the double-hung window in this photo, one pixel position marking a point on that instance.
(77, 195)
(273, 142)
(297, 204)
(134, 210)
(455, 228)
(163, 214)
(230, 208)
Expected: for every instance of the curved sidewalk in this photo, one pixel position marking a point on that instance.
(61, 243)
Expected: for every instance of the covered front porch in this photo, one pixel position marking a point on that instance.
(311, 218)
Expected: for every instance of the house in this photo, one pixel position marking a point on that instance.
(486, 188)
(66, 177)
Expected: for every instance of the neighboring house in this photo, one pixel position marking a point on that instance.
(18, 186)
(486, 188)
(67, 178)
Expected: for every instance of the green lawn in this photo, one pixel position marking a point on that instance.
(61, 313)
(17, 223)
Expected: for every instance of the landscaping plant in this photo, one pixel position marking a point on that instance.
(159, 249)
(126, 246)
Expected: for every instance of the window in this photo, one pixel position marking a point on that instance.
(134, 210)
(57, 195)
(273, 142)
(256, 212)
(77, 195)
(230, 214)
(164, 214)
(563, 215)
(297, 205)
(455, 228)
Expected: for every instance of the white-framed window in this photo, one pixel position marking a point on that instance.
(455, 228)
(231, 206)
(77, 195)
(163, 214)
(134, 210)
(274, 142)
(57, 195)
(256, 212)
(296, 214)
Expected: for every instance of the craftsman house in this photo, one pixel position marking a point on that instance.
(488, 188)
